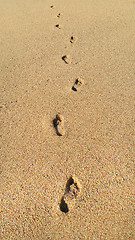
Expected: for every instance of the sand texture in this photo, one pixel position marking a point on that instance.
(67, 73)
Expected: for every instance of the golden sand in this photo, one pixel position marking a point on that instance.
(97, 147)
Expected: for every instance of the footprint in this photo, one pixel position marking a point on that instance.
(72, 191)
(73, 39)
(78, 83)
(66, 59)
(60, 15)
(58, 26)
(59, 124)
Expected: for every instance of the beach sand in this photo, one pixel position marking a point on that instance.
(78, 185)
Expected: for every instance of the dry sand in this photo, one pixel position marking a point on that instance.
(97, 148)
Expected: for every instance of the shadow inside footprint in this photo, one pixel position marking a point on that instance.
(58, 123)
(71, 193)
(69, 183)
(74, 89)
(66, 59)
(73, 39)
(55, 126)
(60, 15)
(55, 122)
(58, 26)
(78, 84)
(63, 206)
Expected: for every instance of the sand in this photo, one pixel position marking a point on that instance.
(90, 167)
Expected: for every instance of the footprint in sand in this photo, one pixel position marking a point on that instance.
(72, 191)
(73, 39)
(58, 26)
(66, 59)
(78, 84)
(59, 124)
(60, 15)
